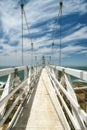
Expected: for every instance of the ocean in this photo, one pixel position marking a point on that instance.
(74, 80)
(4, 78)
(79, 67)
(77, 80)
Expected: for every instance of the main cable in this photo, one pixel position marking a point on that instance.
(28, 28)
(22, 6)
(60, 32)
(56, 25)
(55, 32)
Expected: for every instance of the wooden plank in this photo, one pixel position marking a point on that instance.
(39, 113)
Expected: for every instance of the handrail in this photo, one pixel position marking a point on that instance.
(73, 72)
(63, 86)
(4, 72)
(7, 71)
(23, 86)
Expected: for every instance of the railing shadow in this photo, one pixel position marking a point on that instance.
(27, 106)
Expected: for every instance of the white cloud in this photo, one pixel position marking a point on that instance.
(83, 52)
(72, 49)
(37, 11)
(75, 6)
(10, 16)
(77, 35)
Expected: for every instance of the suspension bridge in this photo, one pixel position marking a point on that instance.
(43, 97)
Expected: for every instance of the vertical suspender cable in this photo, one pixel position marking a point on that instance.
(22, 6)
(36, 62)
(56, 25)
(32, 53)
(52, 52)
(49, 59)
(28, 28)
(55, 28)
(60, 31)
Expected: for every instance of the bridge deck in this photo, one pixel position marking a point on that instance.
(39, 112)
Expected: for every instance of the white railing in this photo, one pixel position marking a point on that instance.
(60, 78)
(16, 90)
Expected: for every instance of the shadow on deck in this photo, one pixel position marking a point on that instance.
(38, 112)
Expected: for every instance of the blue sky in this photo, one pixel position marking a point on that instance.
(41, 17)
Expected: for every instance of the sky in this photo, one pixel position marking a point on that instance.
(43, 24)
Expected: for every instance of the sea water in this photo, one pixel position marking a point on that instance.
(74, 79)
(3, 79)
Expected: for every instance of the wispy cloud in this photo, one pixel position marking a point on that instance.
(41, 16)
(77, 35)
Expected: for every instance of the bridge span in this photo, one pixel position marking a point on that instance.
(43, 99)
(39, 112)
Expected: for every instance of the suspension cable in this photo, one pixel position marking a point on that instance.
(54, 36)
(52, 52)
(22, 6)
(56, 25)
(61, 3)
(28, 28)
(32, 53)
(55, 32)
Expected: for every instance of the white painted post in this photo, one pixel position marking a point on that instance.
(4, 94)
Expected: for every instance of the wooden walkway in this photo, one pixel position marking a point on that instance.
(39, 112)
